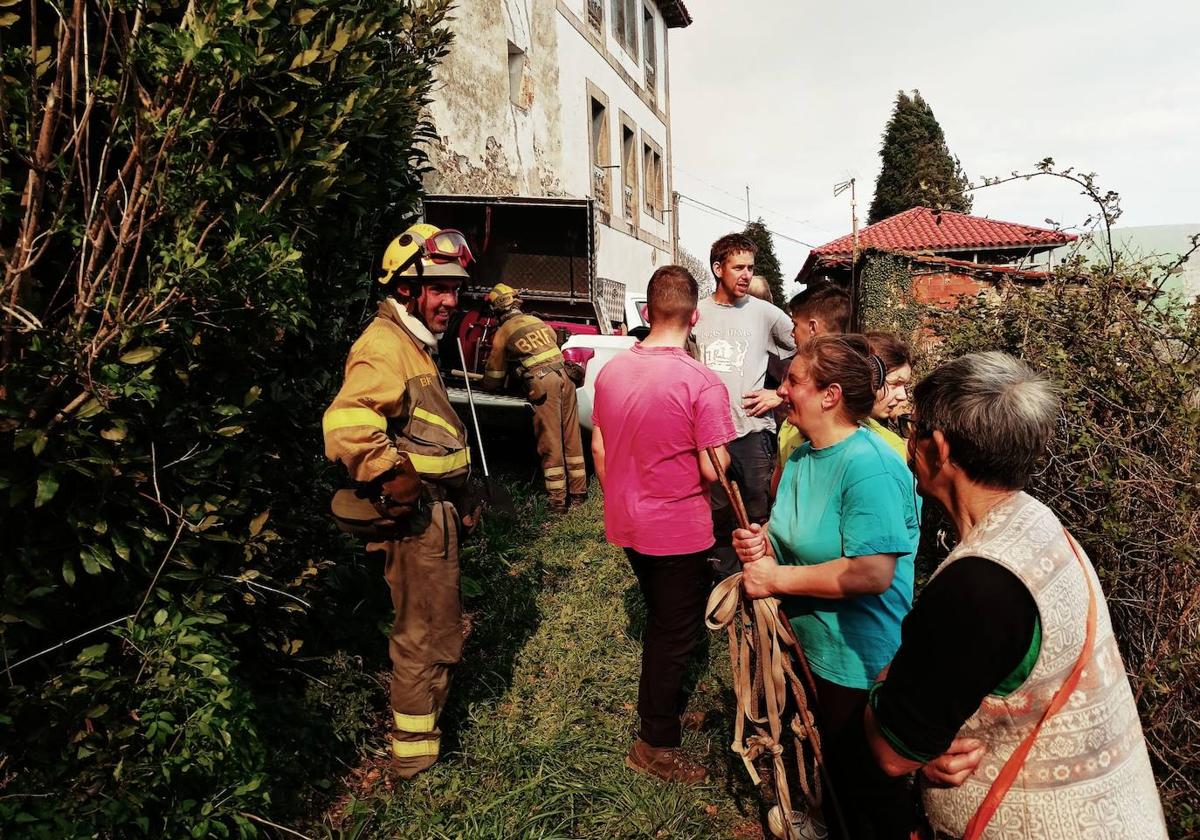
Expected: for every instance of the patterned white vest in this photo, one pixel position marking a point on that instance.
(1088, 775)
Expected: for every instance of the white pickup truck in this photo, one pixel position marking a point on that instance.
(590, 351)
(598, 349)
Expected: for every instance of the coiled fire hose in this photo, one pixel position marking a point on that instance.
(761, 643)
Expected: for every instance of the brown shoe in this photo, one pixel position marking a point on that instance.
(666, 763)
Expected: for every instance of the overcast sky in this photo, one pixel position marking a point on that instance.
(791, 97)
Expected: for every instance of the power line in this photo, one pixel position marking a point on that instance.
(718, 211)
(710, 185)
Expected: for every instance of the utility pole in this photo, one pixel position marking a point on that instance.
(747, 205)
(674, 226)
(838, 189)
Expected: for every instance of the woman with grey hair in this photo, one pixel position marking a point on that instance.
(1010, 643)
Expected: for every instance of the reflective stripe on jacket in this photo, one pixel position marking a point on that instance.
(392, 401)
(523, 340)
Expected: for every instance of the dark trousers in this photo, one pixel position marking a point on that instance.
(875, 805)
(751, 464)
(676, 589)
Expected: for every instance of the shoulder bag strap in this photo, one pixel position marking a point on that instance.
(1008, 773)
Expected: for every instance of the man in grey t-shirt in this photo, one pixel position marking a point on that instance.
(735, 333)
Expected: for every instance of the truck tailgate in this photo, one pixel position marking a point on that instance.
(458, 396)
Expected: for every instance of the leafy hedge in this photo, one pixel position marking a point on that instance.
(190, 195)
(1124, 475)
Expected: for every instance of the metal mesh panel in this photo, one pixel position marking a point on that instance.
(545, 274)
(610, 300)
(544, 247)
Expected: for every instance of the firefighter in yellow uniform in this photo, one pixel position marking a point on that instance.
(392, 426)
(531, 346)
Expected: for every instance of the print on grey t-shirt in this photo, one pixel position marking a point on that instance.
(734, 342)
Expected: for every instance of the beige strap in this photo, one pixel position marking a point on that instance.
(759, 644)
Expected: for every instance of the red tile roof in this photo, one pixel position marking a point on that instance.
(923, 229)
(1015, 271)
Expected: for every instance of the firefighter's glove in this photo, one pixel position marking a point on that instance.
(470, 505)
(400, 491)
(575, 372)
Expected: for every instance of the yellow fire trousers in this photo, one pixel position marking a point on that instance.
(421, 571)
(556, 426)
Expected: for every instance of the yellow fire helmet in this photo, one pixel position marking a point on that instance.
(503, 297)
(425, 251)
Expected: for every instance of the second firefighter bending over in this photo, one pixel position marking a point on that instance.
(393, 428)
(530, 345)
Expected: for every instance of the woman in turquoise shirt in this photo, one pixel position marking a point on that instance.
(838, 552)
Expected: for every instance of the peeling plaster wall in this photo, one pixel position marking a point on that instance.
(539, 145)
(487, 144)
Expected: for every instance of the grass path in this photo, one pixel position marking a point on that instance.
(535, 746)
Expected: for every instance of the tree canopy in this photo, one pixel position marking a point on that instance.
(766, 262)
(190, 195)
(918, 169)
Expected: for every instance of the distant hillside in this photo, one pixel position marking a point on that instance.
(1158, 243)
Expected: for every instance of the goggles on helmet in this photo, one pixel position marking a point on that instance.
(445, 246)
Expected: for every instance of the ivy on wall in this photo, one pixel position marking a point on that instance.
(885, 299)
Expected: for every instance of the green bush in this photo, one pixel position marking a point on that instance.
(190, 196)
(1123, 474)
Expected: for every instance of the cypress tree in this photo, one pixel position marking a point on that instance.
(918, 169)
(765, 262)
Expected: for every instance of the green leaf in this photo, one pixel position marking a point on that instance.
(25, 437)
(251, 396)
(90, 564)
(68, 572)
(116, 433)
(231, 431)
(41, 59)
(305, 58)
(303, 16)
(89, 409)
(141, 355)
(120, 545)
(91, 654)
(257, 523)
(47, 486)
(471, 588)
(8, 19)
(250, 786)
(160, 617)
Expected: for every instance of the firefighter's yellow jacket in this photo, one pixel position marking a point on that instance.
(524, 340)
(392, 401)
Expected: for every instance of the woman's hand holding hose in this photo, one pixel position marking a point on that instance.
(758, 563)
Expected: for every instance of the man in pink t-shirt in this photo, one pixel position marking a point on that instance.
(656, 410)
